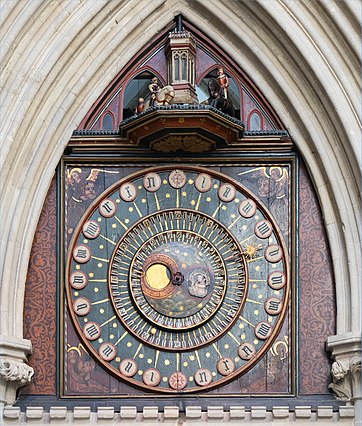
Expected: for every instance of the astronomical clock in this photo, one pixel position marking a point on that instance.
(191, 256)
(178, 242)
(178, 277)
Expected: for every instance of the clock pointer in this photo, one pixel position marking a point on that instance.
(178, 278)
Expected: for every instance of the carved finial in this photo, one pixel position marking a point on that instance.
(179, 24)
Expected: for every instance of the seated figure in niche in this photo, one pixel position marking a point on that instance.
(160, 96)
(217, 99)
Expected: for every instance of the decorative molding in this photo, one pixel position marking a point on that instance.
(115, 133)
(13, 347)
(178, 107)
(192, 414)
(186, 143)
(60, 413)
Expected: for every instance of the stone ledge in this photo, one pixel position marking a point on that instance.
(193, 414)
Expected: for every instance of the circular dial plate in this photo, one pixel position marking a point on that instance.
(177, 279)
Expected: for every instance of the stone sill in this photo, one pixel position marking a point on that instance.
(278, 415)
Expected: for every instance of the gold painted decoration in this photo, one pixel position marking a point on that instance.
(173, 143)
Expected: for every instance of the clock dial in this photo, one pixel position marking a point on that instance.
(177, 279)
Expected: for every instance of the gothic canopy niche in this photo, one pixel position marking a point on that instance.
(181, 93)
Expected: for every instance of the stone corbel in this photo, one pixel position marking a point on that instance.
(14, 371)
(341, 384)
(346, 368)
(356, 377)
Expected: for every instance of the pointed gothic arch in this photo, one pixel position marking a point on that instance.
(303, 79)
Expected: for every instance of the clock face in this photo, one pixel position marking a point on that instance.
(177, 260)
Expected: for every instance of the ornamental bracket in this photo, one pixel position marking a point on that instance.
(346, 368)
(14, 371)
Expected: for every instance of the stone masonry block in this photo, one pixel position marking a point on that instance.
(58, 412)
(280, 412)
(258, 412)
(346, 411)
(193, 412)
(325, 411)
(82, 412)
(171, 412)
(34, 412)
(105, 413)
(216, 412)
(12, 412)
(237, 412)
(128, 412)
(150, 412)
(303, 412)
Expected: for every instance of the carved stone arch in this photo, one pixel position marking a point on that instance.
(310, 81)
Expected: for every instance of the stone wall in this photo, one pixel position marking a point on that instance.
(57, 57)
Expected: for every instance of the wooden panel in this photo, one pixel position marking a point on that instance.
(270, 182)
(317, 310)
(40, 301)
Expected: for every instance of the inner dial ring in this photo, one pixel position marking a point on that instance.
(189, 270)
(178, 280)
